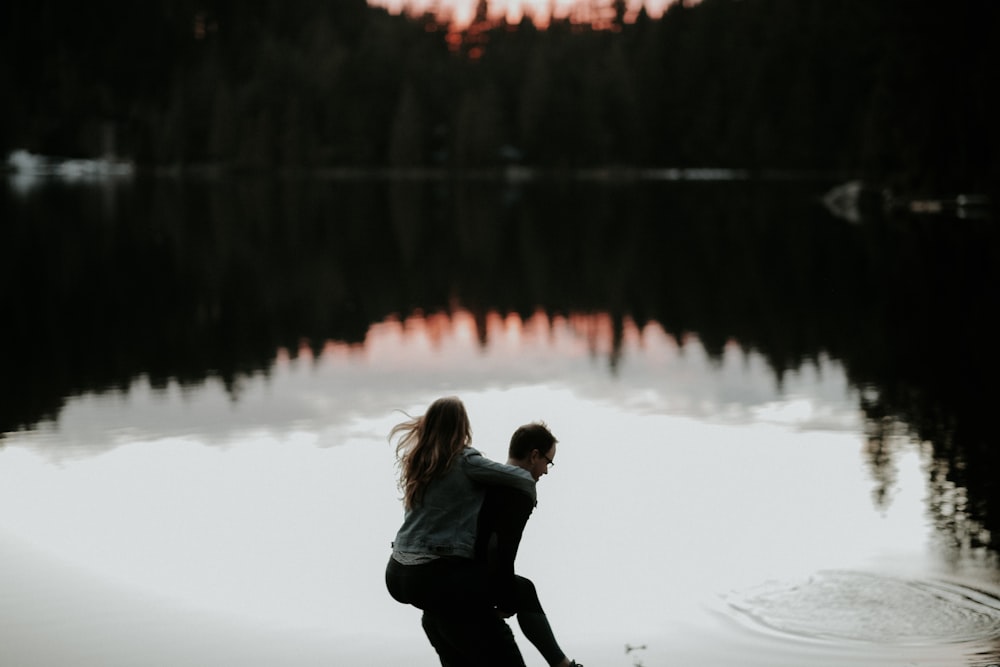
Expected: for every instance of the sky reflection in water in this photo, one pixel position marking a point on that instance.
(677, 482)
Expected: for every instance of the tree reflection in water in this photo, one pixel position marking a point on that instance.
(182, 280)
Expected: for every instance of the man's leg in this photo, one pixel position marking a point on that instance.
(471, 640)
(534, 623)
(433, 628)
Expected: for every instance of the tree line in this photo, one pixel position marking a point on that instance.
(892, 90)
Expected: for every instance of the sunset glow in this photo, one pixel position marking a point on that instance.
(504, 335)
(417, 338)
(461, 12)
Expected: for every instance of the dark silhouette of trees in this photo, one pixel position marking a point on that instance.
(890, 90)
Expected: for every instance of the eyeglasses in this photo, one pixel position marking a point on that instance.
(550, 461)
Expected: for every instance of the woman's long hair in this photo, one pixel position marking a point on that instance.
(428, 445)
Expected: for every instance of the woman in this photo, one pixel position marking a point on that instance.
(443, 481)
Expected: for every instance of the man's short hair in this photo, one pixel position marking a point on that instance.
(535, 435)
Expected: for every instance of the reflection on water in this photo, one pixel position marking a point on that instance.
(273, 511)
(746, 391)
(401, 361)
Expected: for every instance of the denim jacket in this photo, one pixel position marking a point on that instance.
(444, 522)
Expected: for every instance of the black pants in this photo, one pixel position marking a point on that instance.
(458, 619)
(443, 584)
(471, 640)
(462, 641)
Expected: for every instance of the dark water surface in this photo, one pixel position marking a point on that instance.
(778, 443)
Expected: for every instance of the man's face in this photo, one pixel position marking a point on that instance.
(539, 462)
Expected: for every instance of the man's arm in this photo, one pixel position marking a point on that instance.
(504, 513)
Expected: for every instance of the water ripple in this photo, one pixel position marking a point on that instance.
(869, 608)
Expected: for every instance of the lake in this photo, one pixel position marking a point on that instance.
(776, 433)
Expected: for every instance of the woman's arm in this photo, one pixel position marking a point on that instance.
(490, 473)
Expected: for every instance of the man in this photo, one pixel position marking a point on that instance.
(502, 517)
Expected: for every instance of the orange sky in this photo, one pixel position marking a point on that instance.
(462, 10)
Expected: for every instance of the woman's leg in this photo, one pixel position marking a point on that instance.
(444, 584)
(535, 624)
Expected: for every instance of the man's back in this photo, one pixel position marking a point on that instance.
(502, 518)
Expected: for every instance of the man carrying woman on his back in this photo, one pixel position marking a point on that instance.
(453, 557)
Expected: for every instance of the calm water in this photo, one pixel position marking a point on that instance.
(753, 468)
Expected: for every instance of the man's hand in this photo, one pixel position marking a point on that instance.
(503, 614)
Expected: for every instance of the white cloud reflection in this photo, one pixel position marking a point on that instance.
(404, 365)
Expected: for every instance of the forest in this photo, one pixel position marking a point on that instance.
(895, 92)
